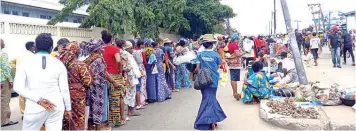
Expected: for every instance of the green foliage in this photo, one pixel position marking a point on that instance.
(191, 18)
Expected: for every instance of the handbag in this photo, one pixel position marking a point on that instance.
(203, 79)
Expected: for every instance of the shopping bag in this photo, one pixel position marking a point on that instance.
(309, 57)
(186, 58)
(223, 78)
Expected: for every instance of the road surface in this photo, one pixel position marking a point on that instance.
(179, 113)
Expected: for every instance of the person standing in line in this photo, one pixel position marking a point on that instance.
(132, 74)
(167, 49)
(210, 111)
(140, 57)
(348, 46)
(95, 94)
(315, 43)
(334, 46)
(47, 90)
(234, 62)
(80, 78)
(30, 50)
(61, 44)
(6, 86)
(183, 80)
(163, 91)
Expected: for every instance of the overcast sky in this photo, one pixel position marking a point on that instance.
(253, 16)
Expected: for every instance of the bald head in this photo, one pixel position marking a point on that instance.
(2, 44)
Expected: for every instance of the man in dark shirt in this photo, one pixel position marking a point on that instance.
(299, 38)
(334, 46)
(347, 47)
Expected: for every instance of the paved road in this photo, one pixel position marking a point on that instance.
(181, 110)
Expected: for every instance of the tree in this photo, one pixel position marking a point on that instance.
(145, 17)
(204, 17)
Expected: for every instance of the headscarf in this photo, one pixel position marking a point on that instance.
(69, 53)
(147, 41)
(93, 46)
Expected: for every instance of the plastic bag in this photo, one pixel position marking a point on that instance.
(223, 78)
(154, 69)
(186, 58)
(203, 79)
(309, 56)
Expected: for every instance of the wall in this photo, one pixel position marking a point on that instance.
(15, 35)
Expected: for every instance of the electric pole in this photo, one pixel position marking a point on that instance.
(275, 18)
(228, 27)
(316, 10)
(303, 81)
(298, 21)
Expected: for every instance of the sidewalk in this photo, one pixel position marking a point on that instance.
(324, 72)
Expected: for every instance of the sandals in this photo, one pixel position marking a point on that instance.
(237, 96)
(140, 107)
(133, 114)
(175, 90)
(10, 123)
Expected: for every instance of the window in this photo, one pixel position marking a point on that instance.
(6, 12)
(75, 21)
(25, 14)
(66, 20)
(49, 17)
(43, 17)
(15, 13)
(79, 20)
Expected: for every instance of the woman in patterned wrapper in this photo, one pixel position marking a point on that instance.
(95, 95)
(163, 91)
(79, 79)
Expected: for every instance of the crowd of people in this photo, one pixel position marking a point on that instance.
(100, 84)
(92, 83)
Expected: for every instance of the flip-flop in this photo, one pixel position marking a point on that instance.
(135, 114)
(140, 107)
(10, 123)
(175, 90)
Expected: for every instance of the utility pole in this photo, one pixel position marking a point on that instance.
(228, 27)
(275, 19)
(303, 81)
(298, 21)
(316, 10)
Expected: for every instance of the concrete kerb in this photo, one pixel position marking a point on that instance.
(327, 120)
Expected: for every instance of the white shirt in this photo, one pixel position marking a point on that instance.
(248, 47)
(314, 43)
(288, 64)
(50, 83)
(285, 41)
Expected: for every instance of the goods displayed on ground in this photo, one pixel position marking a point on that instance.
(288, 107)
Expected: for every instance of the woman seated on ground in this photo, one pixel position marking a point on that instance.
(256, 87)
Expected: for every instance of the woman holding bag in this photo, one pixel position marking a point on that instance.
(210, 111)
(183, 80)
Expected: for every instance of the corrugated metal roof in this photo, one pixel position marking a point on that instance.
(47, 5)
(350, 13)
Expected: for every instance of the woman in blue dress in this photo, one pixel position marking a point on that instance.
(163, 91)
(210, 111)
(256, 87)
(183, 80)
(151, 76)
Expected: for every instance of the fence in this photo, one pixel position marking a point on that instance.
(30, 29)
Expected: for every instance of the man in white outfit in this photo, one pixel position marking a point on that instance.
(47, 92)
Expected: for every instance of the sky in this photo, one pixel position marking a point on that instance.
(253, 16)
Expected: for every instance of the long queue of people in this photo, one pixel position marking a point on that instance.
(87, 85)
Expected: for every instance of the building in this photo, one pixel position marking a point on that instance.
(351, 20)
(38, 12)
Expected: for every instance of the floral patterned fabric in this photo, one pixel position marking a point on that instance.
(258, 87)
(5, 70)
(96, 91)
(183, 80)
(163, 91)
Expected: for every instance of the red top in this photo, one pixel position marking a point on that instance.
(259, 43)
(233, 46)
(109, 56)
